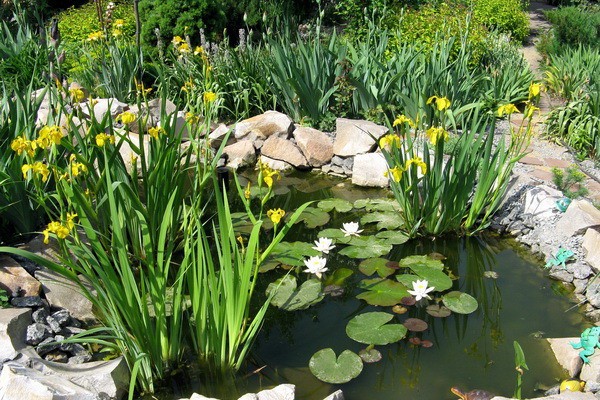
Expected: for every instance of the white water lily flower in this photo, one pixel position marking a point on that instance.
(324, 245)
(315, 265)
(351, 229)
(420, 290)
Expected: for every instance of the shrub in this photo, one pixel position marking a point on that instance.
(506, 16)
(576, 25)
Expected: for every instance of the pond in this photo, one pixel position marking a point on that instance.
(516, 303)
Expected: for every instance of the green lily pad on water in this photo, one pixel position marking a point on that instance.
(434, 277)
(369, 355)
(339, 205)
(336, 234)
(365, 247)
(377, 205)
(373, 328)
(382, 292)
(328, 368)
(435, 310)
(373, 265)
(385, 220)
(460, 303)
(410, 261)
(288, 298)
(339, 276)
(313, 217)
(241, 223)
(288, 253)
(392, 237)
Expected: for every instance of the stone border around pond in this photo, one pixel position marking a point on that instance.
(528, 213)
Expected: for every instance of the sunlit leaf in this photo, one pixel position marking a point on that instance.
(382, 292)
(365, 247)
(339, 276)
(339, 205)
(460, 303)
(392, 237)
(434, 277)
(328, 368)
(288, 298)
(313, 217)
(383, 205)
(435, 310)
(288, 253)
(375, 265)
(384, 220)
(373, 328)
(370, 356)
(425, 261)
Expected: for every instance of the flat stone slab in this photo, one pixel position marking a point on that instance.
(241, 154)
(271, 123)
(16, 280)
(316, 146)
(281, 392)
(284, 150)
(356, 136)
(591, 246)
(580, 216)
(13, 328)
(540, 201)
(566, 355)
(369, 170)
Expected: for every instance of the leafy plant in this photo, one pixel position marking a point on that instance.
(575, 25)
(331, 369)
(520, 366)
(4, 299)
(505, 16)
(570, 181)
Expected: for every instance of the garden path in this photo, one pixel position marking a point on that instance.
(545, 154)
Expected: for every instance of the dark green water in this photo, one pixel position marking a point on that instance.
(469, 351)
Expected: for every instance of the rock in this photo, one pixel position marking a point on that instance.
(369, 170)
(217, 136)
(591, 246)
(49, 344)
(197, 396)
(315, 145)
(13, 328)
(356, 136)
(157, 109)
(241, 154)
(275, 164)
(17, 380)
(71, 330)
(40, 315)
(579, 270)
(105, 379)
(591, 371)
(561, 274)
(271, 123)
(74, 348)
(566, 355)
(580, 216)
(16, 280)
(36, 333)
(53, 325)
(56, 356)
(281, 392)
(79, 359)
(62, 317)
(62, 293)
(284, 150)
(49, 251)
(337, 395)
(540, 201)
(28, 301)
(580, 285)
(102, 106)
(129, 155)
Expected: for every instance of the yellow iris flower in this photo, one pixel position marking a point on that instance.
(389, 140)
(435, 134)
(442, 103)
(418, 161)
(396, 173)
(276, 215)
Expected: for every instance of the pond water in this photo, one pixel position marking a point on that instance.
(516, 303)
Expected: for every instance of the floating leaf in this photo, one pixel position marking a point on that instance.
(415, 324)
(313, 217)
(328, 368)
(383, 205)
(372, 265)
(459, 302)
(398, 309)
(408, 301)
(435, 310)
(288, 298)
(434, 277)
(339, 205)
(415, 340)
(382, 292)
(241, 223)
(387, 220)
(370, 355)
(408, 262)
(365, 247)
(490, 274)
(333, 290)
(373, 328)
(290, 254)
(426, 343)
(339, 276)
(392, 237)
(436, 256)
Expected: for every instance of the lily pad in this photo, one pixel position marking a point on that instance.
(373, 328)
(375, 265)
(336, 234)
(460, 303)
(370, 355)
(313, 217)
(339, 276)
(333, 290)
(398, 309)
(241, 223)
(415, 324)
(392, 237)
(435, 310)
(408, 262)
(383, 205)
(369, 247)
(436, 256)
(426, 343)
(434, 277)
(339, 205)
(328, 368)
(288, 298)
(288, 253)
(382, 292)
(385, 220)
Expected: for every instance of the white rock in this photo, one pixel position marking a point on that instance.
(591, 245)
(284, 150)
(241, 154)
(337, 395)
(281, 392)
(271, 123)
(580, 216)
(566, 355)
(217, 136)
(591, 371)
(540, 202)
(369, 170)
(356, 136)
(14, 278)
(197, 396)
(276, 164)
(13, 326)
(316, 146)
(102, 106)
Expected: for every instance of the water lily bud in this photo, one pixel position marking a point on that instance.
(245, 17)
(264, 18)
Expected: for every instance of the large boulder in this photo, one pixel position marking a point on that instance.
(580, 216)
(356, 136)
(316, 146)
(16, 280)
(240, 154)
(284, 150)
(100, 107)
(566, 355)
(540, 202)
(591, 246)
(271, 123)
(13, 326)
(369, 170)
(281, 392)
